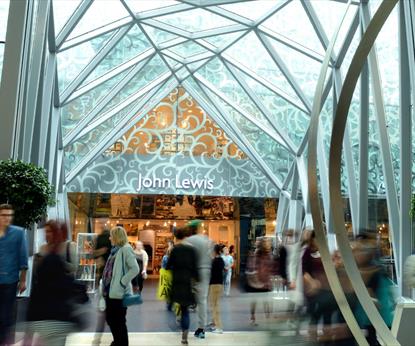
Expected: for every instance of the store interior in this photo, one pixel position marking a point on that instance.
(152, 219)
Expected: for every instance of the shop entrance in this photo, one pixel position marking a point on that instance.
(152, 219)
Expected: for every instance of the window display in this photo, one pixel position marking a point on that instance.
(87, 266)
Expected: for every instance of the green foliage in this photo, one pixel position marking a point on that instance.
(27, 188)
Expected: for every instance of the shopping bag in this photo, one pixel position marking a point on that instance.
(165, 282)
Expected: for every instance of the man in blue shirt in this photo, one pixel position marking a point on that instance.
(13, 266)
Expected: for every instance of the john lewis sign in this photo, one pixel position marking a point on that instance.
(166, 183)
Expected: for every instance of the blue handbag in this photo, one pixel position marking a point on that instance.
(130, 299)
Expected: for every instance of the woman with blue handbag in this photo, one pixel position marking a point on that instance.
(120, 269)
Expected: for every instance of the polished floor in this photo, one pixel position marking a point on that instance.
(151, 323)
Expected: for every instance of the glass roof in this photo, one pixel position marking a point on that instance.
(252, 66)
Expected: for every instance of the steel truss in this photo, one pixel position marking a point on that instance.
(30, 96)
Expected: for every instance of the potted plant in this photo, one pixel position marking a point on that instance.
(26, 187)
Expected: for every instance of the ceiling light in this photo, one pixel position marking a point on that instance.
(148, 223)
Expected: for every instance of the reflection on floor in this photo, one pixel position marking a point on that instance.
(170, 338)
(151, 323)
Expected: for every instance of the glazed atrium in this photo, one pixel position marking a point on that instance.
(254, 116)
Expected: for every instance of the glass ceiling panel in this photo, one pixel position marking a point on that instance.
(158, 36)
(62, 11)
(286, 22)
(171, 62)
(195, 20)
(4, 16)
(75, 110)
(72, 61)
(221, 41)
(100, 13)
(304, 69)
(218, 75)
(250, 52)
(138, 6)
(194, 66)
(289, 119)
(150, 72)
(188, 49)
(131, 45)
(330, 14)
(252, 10)
(76, 151)
(274, 155)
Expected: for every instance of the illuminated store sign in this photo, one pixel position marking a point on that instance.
(153, 182)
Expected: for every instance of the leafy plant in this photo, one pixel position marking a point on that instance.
(26, 187)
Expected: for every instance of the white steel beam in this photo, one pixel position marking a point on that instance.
(280, 63)
(72, 22)
(125, 103)
(88, 119)
(112, 42)
(387, 167)
(258, 103)
(407, 66)
(138, 60)
(151, 99)
(261, 126)
(230, 128)
(265, 83)
(291, 44)
(90, 35)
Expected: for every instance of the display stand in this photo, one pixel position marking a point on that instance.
(87, 267)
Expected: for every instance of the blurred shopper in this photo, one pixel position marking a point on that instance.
(120, 269)
(216, 288)
(377, 283)
(319, 298)
(13, 267)
(182, 262)
(229, 262)
(259, 271)
(142, 261)
(101, 253)
(203, 247)
(51, 311)
(66, 248)
(165, 258)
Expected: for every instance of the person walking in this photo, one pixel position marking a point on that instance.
(142, 261)
(13, 267)
(101, 253)
(120, 269)
(65, 248)
(51, 310)
(228, 260)
(216, 288)
(182, 263)
(203, 247)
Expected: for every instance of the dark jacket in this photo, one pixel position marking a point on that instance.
(182, 262)
(53, 293)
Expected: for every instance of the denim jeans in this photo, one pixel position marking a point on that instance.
(7, 308)
(185, 318)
